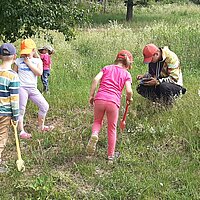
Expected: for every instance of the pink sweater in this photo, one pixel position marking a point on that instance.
(112, 83)
(46, 59)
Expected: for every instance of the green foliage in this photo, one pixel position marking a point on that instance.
(196, 1)
(21, 18)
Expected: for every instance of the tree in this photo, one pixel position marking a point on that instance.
(129, 14)
(129, 4)
(22, 18)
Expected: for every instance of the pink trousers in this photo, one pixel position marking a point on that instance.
(112, 111)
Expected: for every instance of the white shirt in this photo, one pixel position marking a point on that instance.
(26, 76)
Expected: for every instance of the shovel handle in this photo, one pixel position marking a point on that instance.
(125, 113)
(16, 140)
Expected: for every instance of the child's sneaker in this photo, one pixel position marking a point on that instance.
(91, 147)
(47, 128)
(112, 159)
(3, 167)
(25, 135)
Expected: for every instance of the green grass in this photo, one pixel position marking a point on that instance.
(159, 148)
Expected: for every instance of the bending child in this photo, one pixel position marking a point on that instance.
(112, 80)
(9, 94)
(29, 67)
(45, 55)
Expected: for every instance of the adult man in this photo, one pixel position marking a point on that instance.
(163, 82)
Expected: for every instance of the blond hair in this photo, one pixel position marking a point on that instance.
(125, 61)
(7, 58)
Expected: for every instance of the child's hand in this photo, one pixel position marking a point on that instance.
(91, 101)
(36, 55)
(128, 101)
(14, 122)
(26, 60)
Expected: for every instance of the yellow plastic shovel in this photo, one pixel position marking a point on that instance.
(19, 162)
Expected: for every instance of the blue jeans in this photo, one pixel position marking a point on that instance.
(44, 78)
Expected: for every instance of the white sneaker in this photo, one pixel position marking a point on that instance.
(91, 147)
(112, 159)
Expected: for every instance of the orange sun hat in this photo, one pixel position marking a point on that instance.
(27, 46)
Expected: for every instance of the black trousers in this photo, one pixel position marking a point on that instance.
(164, 93)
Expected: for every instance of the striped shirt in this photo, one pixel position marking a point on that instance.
(9, 93)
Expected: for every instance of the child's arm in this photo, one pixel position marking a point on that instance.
(94, 85)
(129, 92)
(36, 70)
(50, 62)
(36, 55)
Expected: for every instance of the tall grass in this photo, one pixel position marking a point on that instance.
(160, 147)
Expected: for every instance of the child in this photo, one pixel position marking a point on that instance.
(29, 67)
(45, 56)
(9, 93)
(112, 79)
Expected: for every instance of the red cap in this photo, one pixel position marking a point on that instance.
(148, 52)
(123, 53)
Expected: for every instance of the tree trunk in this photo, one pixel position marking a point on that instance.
(129, 14)
(104, 6)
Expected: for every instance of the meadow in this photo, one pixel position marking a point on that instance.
(160, 148)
